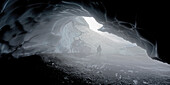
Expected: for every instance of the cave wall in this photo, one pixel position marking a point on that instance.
(22, 23)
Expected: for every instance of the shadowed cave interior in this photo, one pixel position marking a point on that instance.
(54, 43)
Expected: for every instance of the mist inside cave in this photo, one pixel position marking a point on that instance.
(81, 42)
(119, 60)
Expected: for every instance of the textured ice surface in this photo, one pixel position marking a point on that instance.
(58, 28)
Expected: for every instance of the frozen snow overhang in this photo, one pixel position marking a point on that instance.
(18, 20)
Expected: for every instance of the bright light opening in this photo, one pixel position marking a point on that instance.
(93, 24)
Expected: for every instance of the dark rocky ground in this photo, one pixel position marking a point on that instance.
(32, 71)
(50, 70)
(111, 70)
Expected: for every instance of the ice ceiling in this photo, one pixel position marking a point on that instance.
(59, 28)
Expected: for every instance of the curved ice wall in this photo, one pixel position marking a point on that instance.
(42, 27)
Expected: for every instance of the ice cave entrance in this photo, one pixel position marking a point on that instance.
(115, 49)
(82, 36)
(93, 24)
(111, 44)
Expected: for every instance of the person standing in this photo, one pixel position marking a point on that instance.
(99, 50)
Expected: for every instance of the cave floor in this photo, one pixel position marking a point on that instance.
(111, 69)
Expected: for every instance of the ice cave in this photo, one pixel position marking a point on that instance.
(68, 35)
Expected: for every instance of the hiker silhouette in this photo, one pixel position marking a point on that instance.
(99, 50)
